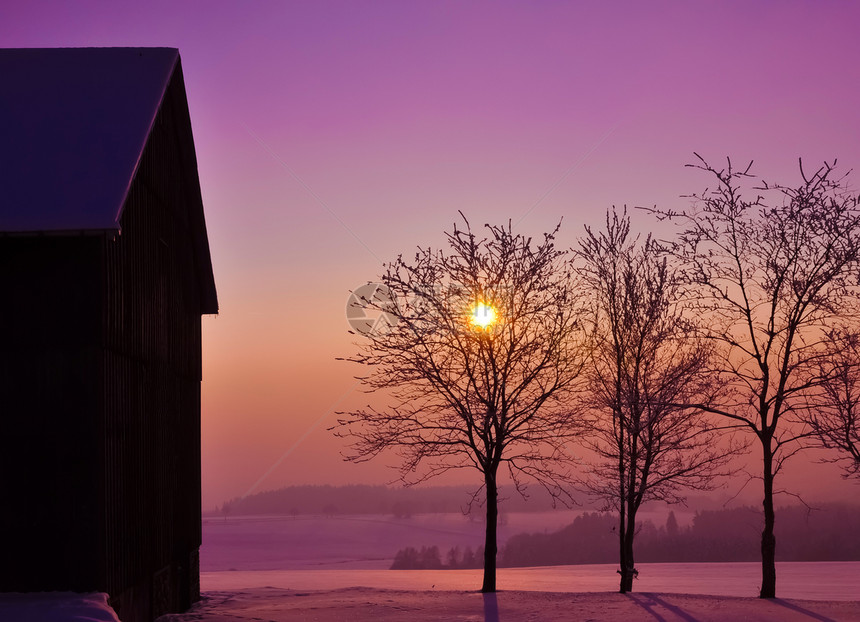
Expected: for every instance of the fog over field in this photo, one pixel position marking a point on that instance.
(317, 552)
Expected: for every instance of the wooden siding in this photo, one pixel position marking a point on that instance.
(152, 372)
(49, 317)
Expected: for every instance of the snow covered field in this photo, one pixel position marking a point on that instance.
(332, 569)
(834, 581)
(358, 604)
(357, 542)
(317, 553)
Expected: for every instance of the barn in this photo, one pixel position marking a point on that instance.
(105, 273)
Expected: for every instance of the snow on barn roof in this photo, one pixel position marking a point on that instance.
(73, 124)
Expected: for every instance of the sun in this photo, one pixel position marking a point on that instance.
(483, 315)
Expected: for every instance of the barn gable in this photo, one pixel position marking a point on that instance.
(75, 123)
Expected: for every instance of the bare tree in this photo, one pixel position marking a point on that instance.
(478, 363)
(833, 410)
(769, 277)
(645, 364)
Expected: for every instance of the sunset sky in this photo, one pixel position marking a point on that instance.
(332, 136)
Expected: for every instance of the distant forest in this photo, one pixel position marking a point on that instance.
(398, 502)
(362, 499)
(732, 535)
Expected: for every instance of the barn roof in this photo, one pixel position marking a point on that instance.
(73, 126)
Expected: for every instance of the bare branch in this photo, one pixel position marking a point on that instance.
(647, 367)
(464, 392)
(770, 277)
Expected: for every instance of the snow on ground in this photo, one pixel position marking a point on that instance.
(824, 591)
(803, 580)
(378, 605)
(333, 569)
(56, 607)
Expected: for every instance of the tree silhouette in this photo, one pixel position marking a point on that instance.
(833, 411)
(671, 525)
(768, 277)
(646, 364)
(466, 393)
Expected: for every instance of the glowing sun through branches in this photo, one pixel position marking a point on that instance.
(483, 316)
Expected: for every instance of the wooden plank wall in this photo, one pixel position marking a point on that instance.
(152, 372)
(49, 391)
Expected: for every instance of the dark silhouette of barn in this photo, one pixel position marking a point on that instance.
(104, 275)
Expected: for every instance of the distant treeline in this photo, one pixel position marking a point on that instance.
(361, 499)
(428, 558)
(826, 534)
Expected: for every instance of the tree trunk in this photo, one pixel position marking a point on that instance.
(490, 539)
(622, 493)
(768, 541)
(628, 568)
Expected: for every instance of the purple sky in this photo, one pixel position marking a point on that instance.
(332, 136)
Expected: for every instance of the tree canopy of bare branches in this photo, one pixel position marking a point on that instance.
(833, 411)
(645, 363)
(768, 276)
(469, 393)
